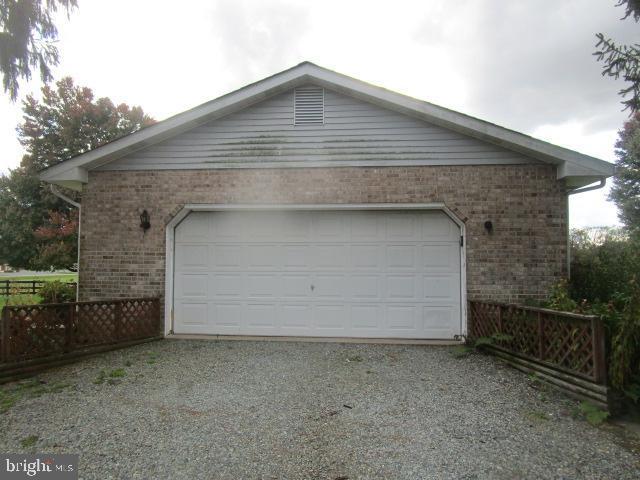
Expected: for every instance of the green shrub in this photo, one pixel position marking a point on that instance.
(605, 271)
(624, 368)
(603, 262)
(560, 299)
(57, 292)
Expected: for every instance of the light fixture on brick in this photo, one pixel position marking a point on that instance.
(145, 224)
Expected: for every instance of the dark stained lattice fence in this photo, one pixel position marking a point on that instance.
(31, 332)
(568, 342)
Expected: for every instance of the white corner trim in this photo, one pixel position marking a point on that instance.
(213, 207)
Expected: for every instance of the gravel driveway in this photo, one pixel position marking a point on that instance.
(184, 409)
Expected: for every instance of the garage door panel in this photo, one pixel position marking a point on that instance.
(194, 228)
(330, 319)
(439, 321)
(440, 257)
(332, 257)
(296, 287)
(264, 227)
(297, 257)
(402, 318)
(329, 227)
(192, 285)
(263, 286)
(402, 226)
(263, 256)
(441, 288)
(402, 257)
(365, 287)
(327, 286)
(296, 228)
(366, 257)
(192, 257)
(260, 316)
(403, 287)
(379, 274)
(226, 256)
(438, 227)
(193, 313)
(367, 226)
(227, 316)
(366, 320)
(226, 285)
(296, 318)
(226, 227)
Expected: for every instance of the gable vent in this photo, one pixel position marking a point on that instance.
(308, 106)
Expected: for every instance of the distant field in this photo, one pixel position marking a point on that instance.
(63, 277)
(30, 299)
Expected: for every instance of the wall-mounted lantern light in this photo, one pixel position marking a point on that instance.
(145, 224)
(488, 226)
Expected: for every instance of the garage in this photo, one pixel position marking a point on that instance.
(317, 273)
(311, 203)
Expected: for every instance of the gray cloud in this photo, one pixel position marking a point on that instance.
(531, 63)
(257, 38)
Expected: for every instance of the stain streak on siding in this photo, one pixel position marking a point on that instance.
(355, 133)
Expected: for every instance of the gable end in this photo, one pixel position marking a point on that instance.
(335, 130)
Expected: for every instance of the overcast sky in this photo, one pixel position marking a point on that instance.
(523, 64)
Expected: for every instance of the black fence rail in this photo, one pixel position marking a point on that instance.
(24, 287)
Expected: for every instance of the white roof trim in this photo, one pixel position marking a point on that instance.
(576, 167)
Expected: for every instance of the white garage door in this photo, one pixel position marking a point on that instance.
(384, 274)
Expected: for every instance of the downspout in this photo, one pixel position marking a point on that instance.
(598, 186)
(62, 196)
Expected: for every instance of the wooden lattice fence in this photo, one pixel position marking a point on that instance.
(567, 347)
(31, 332)
(571, 342)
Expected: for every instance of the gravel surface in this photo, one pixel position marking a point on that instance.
(184, 409)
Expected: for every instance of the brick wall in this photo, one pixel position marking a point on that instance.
(523, 256)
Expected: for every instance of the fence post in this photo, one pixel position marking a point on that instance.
(4, 333)
(540, 337)
(157, 316)
(599, 360)
(71, 314)
(117, 320)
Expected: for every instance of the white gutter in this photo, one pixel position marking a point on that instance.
(598, 186)
(62, 196)
(602, 183)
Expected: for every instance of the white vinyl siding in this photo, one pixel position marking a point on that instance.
(354, 133)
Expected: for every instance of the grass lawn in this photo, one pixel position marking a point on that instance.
(24, 299)
(63, 277)
(19, 299)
